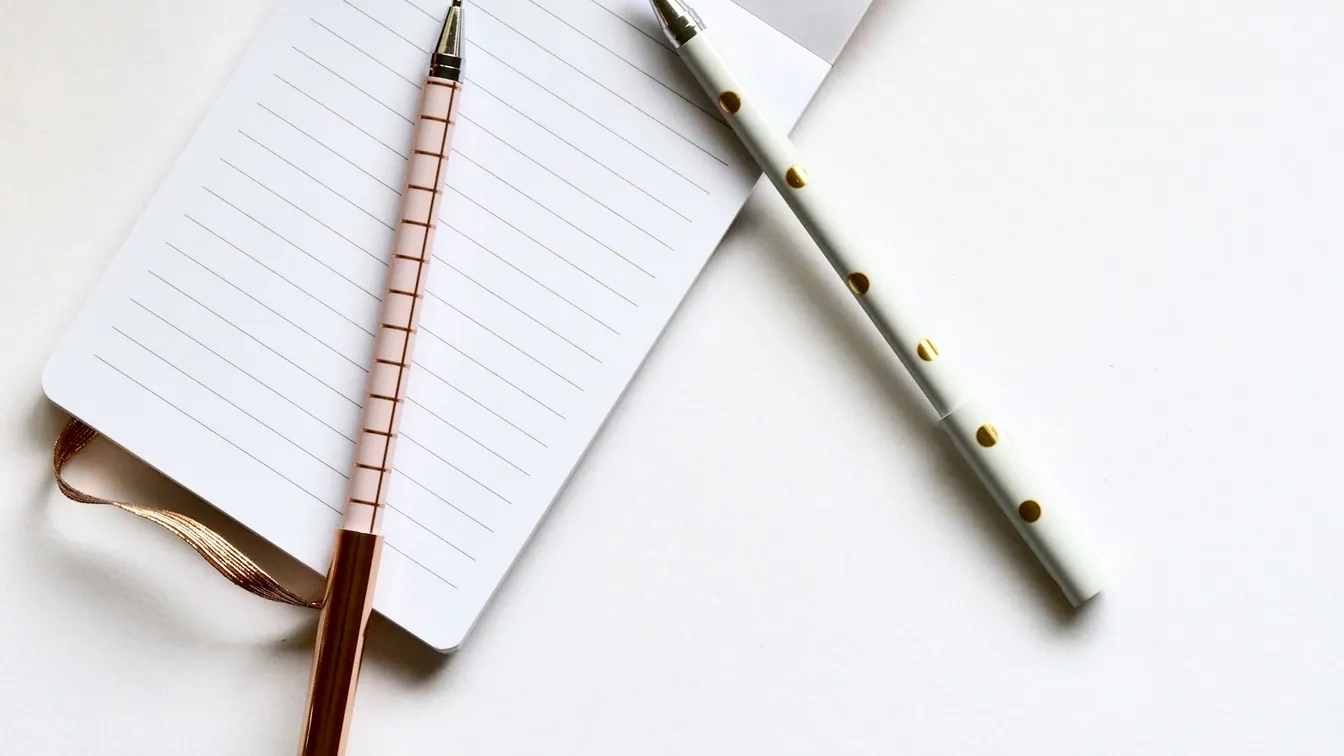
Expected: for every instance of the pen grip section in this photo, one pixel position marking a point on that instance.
(340, 642)
(1042, 520)
(402, 302)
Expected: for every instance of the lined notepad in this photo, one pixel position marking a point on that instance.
(228, 345)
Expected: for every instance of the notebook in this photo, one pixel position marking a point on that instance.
(228, 343)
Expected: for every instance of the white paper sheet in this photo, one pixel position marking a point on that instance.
(228, 344)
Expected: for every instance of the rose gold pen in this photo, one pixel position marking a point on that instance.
(359, 542)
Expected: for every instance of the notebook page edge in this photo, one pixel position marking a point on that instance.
(820, 29)
(444, 636)
(464, 636)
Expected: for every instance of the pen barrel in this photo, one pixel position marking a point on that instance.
(403, 299)
(1038, 518)
(1026, 500)
(340, 642)
(354, 562)
(779, 160)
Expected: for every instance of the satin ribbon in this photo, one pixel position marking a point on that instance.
(214, 548)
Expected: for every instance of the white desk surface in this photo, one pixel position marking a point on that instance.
(1126, 214)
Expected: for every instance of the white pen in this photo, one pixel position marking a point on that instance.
(1041, 519)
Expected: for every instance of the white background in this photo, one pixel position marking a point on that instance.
(1126, 216)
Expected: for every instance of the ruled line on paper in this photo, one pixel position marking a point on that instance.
(246, 333)
(431, 531)
(329, 149)
(428, 15)
(356, 87)
(274, 471)
(274, 272)
(420, 564)
(361, 51)
(651, 117)
(499, 178)
(291, 442)
(394, 32)
(574, 147)
(505, 300)
(510, 344)
(657, 39)
(351, 123)
(468, 436)
(479, 48)
(401, 474)
(541, 245)
(553, 213)
(272, 310)
(491, 371)
(436, 336)
(529, 277)
(698, 104)
(477, 85)
(462, 472)
(421, 368)
(568, 227)
(289, 202)
(232, 403)
(319, 182)
(563, 219)
(235, 366)
(216, 433)
(571, 184)
(278, 235)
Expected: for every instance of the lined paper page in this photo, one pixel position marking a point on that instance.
(590, 180)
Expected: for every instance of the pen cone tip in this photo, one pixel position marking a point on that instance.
(446, 61)
(679, 21)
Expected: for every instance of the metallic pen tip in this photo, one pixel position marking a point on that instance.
(679, 21)
(446, 62)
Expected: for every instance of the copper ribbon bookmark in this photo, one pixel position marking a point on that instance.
(214, 548)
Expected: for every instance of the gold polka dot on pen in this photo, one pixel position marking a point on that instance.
(1029, 511)
(926, 350)
(858, 283)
